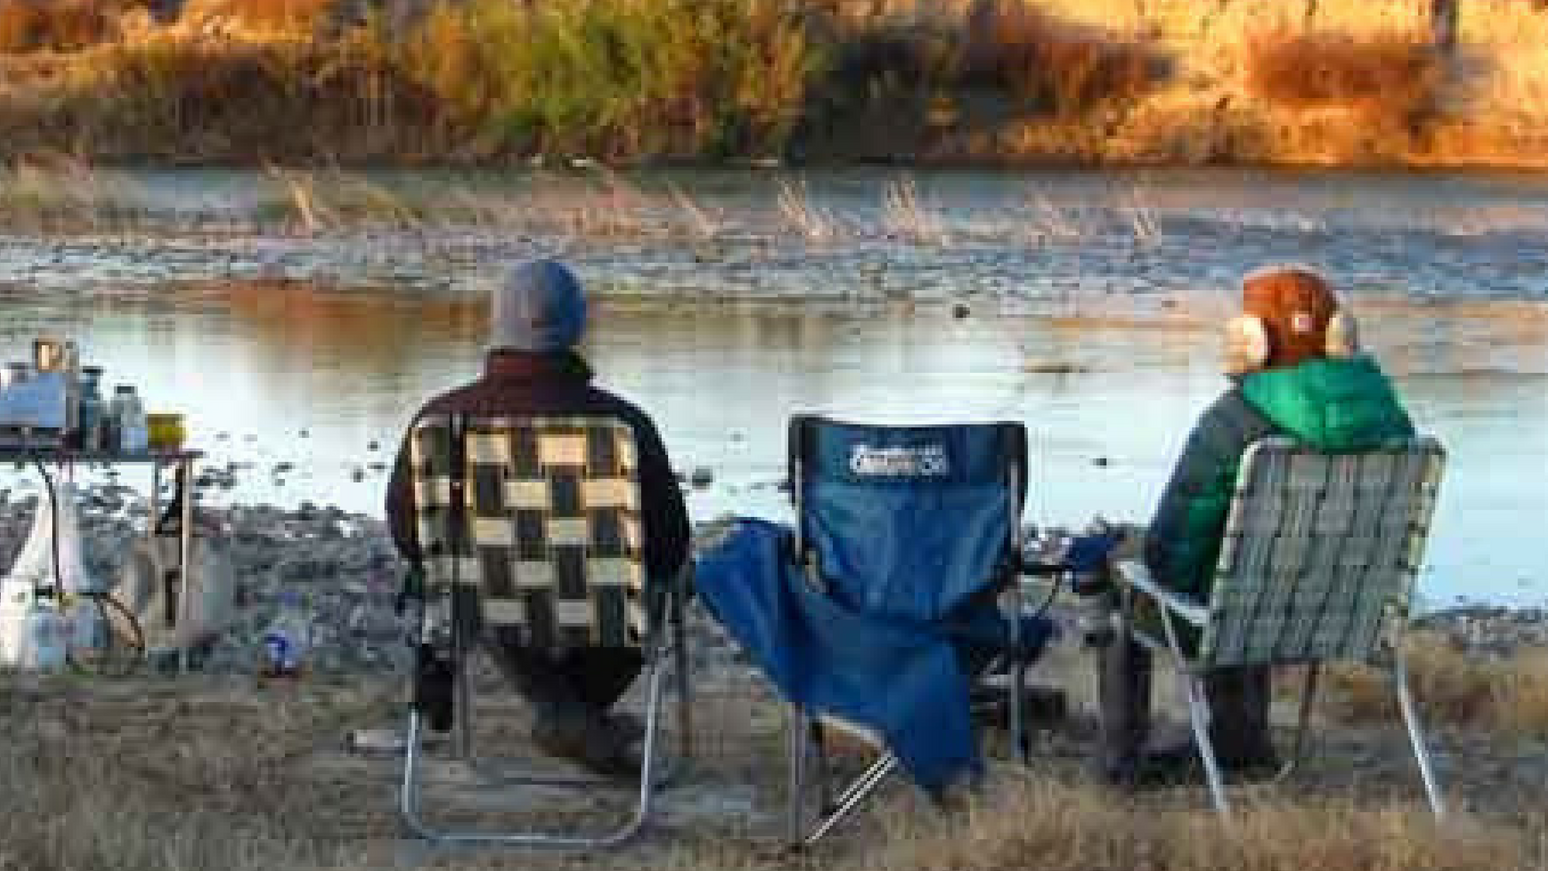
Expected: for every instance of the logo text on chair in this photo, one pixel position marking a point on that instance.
(921, 461)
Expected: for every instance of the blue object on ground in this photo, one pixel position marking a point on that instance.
(1088, 553)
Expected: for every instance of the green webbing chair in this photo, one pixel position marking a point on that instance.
(1317, 565)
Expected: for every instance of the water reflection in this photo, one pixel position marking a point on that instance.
(271, 373)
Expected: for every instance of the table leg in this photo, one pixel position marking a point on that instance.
(185, 559)
(155, 496)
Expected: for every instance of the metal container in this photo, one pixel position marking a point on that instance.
(15, 373)
(166, 431)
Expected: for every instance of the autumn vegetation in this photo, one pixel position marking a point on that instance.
(350, 82)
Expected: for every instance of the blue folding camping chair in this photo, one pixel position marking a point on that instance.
(912, 530)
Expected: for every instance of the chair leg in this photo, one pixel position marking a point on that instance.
(684, 680)
(463, 706)
(1018, 715)
(410, 787)
(1198, 715)
(1303, 721)
(796, 734)
(1432, 788)
(856, 793)
(819, 746)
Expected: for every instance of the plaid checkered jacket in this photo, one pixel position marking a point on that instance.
(516, 383)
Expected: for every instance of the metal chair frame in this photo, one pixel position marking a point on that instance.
(1135, 580)
(664, 643)
(805, 733)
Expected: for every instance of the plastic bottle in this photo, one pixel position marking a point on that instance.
(92, 409)
(133, 435)
(286, 640)
(43, 638)
(87, 638)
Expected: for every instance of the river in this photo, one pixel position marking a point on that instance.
(1085, 305)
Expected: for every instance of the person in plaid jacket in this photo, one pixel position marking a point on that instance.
(536, 319)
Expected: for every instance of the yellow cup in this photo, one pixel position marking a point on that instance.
(165, 431)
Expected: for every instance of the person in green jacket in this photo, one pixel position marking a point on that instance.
(1296, 370)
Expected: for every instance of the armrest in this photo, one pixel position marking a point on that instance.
(1135, 574)
(1040, 570)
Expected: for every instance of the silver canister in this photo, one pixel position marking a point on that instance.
(15, 373)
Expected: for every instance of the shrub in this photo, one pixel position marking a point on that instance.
(193, 100)
(1065, 68)
(1507, 696)
(61, 25)
(1394, 76)
(623, 78)
(262, 16)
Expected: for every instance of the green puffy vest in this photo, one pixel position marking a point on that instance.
(1334, 405)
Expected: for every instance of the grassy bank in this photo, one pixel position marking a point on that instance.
(206, 772)
(988, 81)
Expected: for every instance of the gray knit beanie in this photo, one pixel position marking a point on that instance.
(540, 307)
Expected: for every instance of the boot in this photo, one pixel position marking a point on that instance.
(1124, 694)
(590, 740)
(435, 685)
(1238, 728)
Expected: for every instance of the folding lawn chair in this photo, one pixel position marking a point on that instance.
(918, 526)
(531, 526)
(1317, 565)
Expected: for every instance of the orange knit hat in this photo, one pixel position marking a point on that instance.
(1295, 306)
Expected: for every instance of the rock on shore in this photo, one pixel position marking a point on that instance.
(343, 566)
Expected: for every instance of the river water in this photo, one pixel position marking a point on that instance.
(1086, 305)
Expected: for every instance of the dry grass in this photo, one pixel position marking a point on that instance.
(1044, 824)
(174, 99)
(1390, 78)
(1097, 81)
(259, 17)
(57, 25)
(1506, 697)
(145, 775)
(158, 777)
(1070, 69)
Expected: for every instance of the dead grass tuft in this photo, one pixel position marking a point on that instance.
(1395, 77)
(1507, 697)
(1041, 823)
(56, 25)
(270, 17)
(1065, 67)
(186, 100)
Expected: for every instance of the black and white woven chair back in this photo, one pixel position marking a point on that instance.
(539, 517)
(1320, 552)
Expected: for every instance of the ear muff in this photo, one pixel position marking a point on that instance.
(1342, 338)
(1246, 344)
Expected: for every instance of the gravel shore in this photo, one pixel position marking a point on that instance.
(346, 571)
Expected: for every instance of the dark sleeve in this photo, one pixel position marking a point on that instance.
(400, 504)
(1183, 539)
(667, 533)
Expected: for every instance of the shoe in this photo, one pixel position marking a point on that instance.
(1180, 763)
(626, 726)
(592, 742)
(435, 684)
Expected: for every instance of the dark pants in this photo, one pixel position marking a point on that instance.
(1238, 700)
(582, 681)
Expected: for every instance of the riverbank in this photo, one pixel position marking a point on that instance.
(794, 82)
(221, 769)
(345, 570)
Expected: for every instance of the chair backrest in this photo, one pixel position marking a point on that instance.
(1320, 552)
(907, 521)
(539, 516)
